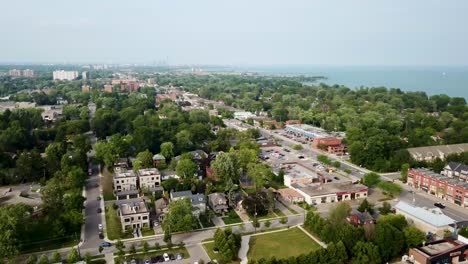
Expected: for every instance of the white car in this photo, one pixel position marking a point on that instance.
(100, 227)
(166, 257)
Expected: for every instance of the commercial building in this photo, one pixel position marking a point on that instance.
(125, 181)
(243, 115)
(433, 152)
(440, 251)
(332, 145)
(65, 75)
(134, 214)
(108, 88)
(311, 133)
(296, 173)
(290, 195)
(449, 188)
(85, 88)
(84, 75)
(330, 192)
(426, 219)
(149, 179)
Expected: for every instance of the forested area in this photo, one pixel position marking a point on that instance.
(380, 123)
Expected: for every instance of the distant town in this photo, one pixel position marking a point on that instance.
(139, 164)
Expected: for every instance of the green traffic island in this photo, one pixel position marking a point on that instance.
(214, 254)
(119, 258)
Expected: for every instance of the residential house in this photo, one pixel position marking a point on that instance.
(125, 181)
(158, 159)
(149, 178)
(162, 208)
(198, 201)
(218, 202)
(430, 153)
(360, 218)
(127, 194)
(134, 214)
(169, 174)
(456, 170)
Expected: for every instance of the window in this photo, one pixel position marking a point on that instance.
(152, 178)
(145, 217)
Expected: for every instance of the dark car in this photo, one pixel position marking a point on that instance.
(101, 235)
(336, 178)
(440, 205)
(301, 157)
(106, 244)
(99, 210)
(158, 258)
(172, 257)
(99, 198)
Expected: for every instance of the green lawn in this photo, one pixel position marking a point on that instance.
(113, 227)
(209, 250)
(147, 232)
(231, 218)
(283, 244)
(106, 183)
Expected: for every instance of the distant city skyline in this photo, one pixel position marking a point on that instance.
(237, 33)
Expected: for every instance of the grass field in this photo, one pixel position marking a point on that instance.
(113, 227)
(283, 244)
(209, 250)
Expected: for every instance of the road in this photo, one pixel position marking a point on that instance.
(92, 218)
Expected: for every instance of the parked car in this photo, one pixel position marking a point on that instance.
(106, 244)
(440, 205)
(99, 210)
(158, 258)
(336, 178)
(179, 256)
(300, 157)
(166, 257)
(147, 261)
(100, 227)
(172, 257)
(99, 198)
(101, 235)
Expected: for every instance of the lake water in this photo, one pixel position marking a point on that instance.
(451, 80)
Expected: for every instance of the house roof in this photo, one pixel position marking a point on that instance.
(127, 192)
(196, 199)
(215, 198)
(158, 156)
(181, 194)
(458, 167)
(429, 151)
(431, 216)
(161, 203)
(133, 207)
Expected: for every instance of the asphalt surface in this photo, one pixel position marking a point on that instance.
(93, 219)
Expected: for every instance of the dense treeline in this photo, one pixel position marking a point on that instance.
(380, 122)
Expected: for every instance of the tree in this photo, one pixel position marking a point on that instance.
(32, 259)
(105, 153)
(226, 166)
(396, 220)
(132, 249)
(404, 172)
(179, 217)
(167, 150)
(14, 218)
(143, 160)
(256, 203)
(324, 159)
(267, 223)
(413, 236)
(227, 243)
(339, 214)
(186, 168)
(371, 179)
(385, 209)
(29, 166)
(73, 256)
(261, 173)
(389, 240)
(56, 257)
(87, 258)
(336, 164)
(297, 147)
(283, 220)
(145, 246)
(43, 259)
(366, 253)
(365, 206)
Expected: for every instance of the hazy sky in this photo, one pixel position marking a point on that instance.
(330, 32)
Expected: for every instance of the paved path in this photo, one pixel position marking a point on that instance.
(217, 221)
(244, 249)
(311, 236)
(282, 208)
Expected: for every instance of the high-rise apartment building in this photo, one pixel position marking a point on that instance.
(14, 73)
(28, 73)
(65, 75)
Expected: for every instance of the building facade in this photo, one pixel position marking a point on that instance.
(447, 188)
(14, 73)
(65, 75)
(440, 251)
(134, 214)
(149, 178)
(330, 192)
(125, 181)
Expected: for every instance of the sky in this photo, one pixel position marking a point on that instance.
(240, 32)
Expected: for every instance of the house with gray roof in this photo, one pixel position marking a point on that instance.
(198, 201)
(218, 202)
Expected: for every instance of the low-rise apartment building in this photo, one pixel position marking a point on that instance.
(134, 214)
(447, 188)
(125, 180)
(149, 179)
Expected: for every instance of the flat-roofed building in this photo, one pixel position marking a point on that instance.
(330, 192)
(451, 189)
(149, 178)
(65, 75)
(125, 180)
(108, 88)
(290, 195)
(14, 73)
(134, 214)
(426, 219)
(440, 251)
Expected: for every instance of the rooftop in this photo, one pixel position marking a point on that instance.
(422, 152)
(296, 171)
(328, 188)
(133, 207)
(431, 216)
(439, 247)
(148, 172)
(124, 174)
(440, 177)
